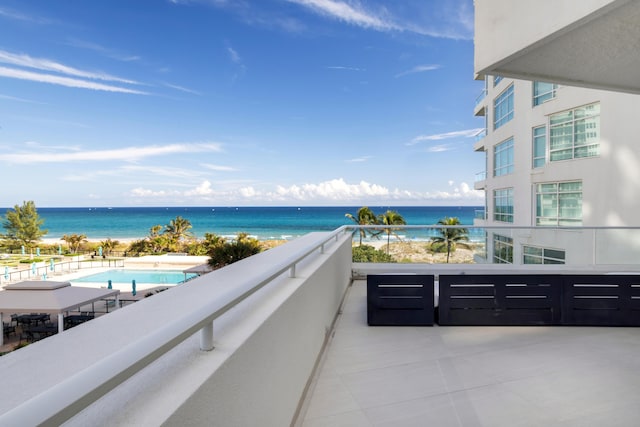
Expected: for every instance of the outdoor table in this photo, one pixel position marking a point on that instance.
(32, 318)
(76, 319)
(44, 329)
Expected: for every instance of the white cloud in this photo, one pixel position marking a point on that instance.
(182, 89)
(218, 168)
(359, 159)
(27, 61)
(352, 14)
(234, 56)
(439, 148)
(124, 154)
(335, 191)
(13, 98)
(338, 67)
(64, 81)
(143, 192)
(204, 189)
(418, 69)
(468, 133)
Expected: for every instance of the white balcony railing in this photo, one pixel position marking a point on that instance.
(51, 381)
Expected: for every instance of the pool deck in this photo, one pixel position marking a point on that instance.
(151, 262)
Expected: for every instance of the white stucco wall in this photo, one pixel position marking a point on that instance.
(264, 355)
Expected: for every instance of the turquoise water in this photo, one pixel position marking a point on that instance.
(159, 277)
(264, 223)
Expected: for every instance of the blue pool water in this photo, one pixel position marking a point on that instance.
(159, 277)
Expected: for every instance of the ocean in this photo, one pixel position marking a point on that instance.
(264, 223)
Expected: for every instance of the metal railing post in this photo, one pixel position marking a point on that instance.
(206, 337)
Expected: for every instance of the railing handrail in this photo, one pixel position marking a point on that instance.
(490, 227)
(65, 399)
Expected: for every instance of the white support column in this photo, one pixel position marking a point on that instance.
(60, 322)
(206, 337)
(292, 271)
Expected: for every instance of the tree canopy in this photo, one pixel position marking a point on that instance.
(224, 253)
(391, 218)
(364, 216)
(450, 236)
(23, 226)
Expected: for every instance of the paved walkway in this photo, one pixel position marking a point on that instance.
(474, 376)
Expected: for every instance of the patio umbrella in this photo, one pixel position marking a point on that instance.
(51, 264)
(37, 251)
(59, 250)
(109, 285)
(133, 287)
(22, 249)
(100, 251)
(6, 273)
(33, 267)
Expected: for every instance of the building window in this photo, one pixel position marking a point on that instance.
(539, 146)
(503, 158)
(559, 203)
(542, 92)
(503, 205)
(537, 255)
(503, 108)
(575, 133)
(502, 249)
(496, 80)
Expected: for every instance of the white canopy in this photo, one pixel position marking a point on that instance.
(48, 297)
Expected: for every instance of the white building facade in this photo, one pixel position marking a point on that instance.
(558, 156)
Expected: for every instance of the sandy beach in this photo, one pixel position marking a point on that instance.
(411, 251)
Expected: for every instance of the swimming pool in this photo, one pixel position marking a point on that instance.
(158, 277)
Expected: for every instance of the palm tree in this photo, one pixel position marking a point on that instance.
(108, 245)
(227, 253)
(391, 218)
(155, 231)
(364, 216)
(450, 236)
(74, 241)
(178, 228)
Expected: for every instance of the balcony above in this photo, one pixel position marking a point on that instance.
(479, 109)
(479, 141)
(480, 181)
(588, 43)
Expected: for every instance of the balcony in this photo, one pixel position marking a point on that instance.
(479, 109)
(479, 182)
(281, 338)
(602, 36)
(478, 144)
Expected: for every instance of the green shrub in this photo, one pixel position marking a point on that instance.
(366, 253)
(29, 261)
(440, 247)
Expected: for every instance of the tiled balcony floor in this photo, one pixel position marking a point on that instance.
(474, 376)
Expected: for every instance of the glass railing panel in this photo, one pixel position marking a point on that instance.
(481, 96)
(480, 135)
(531, 246)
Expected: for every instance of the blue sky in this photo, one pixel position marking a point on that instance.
(238, 103)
